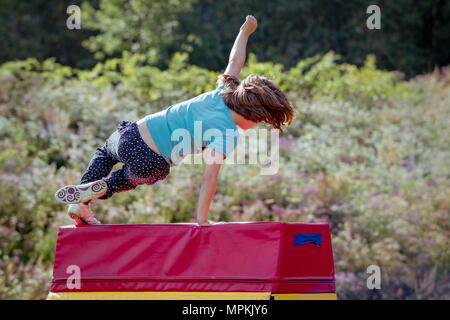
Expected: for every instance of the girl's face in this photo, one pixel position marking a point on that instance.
(245, 124)
(250, 124)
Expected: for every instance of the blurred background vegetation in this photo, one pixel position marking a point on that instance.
(414, 37)
(368, 153)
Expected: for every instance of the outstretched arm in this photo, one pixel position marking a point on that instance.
(238, 52)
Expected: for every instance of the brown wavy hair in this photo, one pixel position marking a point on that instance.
(257, 99)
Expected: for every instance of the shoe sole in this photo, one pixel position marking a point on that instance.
(77, 194)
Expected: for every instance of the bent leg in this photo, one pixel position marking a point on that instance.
(119, 181)
(99, 167)
(141, 164)
(143, 170)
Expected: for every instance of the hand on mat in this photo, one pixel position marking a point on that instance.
(205, 223)
(209, 222)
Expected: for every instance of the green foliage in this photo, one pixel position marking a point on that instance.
(413, 36)
(368, 154)
(138, 26)
(323, 77)
(38, 29)
(362, 86)
(150, 84)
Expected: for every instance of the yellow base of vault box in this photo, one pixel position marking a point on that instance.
(155, 295)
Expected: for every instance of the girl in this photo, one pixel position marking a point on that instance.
(147, 148)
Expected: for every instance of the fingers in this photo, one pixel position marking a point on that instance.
(250, 24)
(205, 223)
(250, 20)
(209, 222)
(250, 17)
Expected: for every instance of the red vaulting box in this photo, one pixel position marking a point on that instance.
(273, 257)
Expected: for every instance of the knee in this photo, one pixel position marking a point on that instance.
(146, 176)
(164, 173)
(159, 175)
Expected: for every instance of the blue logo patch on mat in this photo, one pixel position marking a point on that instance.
(302, 238)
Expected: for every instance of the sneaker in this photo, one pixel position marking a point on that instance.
(81, 214)
(82, 193)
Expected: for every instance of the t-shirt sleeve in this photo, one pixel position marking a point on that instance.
(226, 143)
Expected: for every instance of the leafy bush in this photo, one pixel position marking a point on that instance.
(368, 154)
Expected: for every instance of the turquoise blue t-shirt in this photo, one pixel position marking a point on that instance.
(190, 126)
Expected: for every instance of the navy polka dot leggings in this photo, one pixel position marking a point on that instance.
(141, 164)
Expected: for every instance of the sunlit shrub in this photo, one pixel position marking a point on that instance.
(368, 154)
